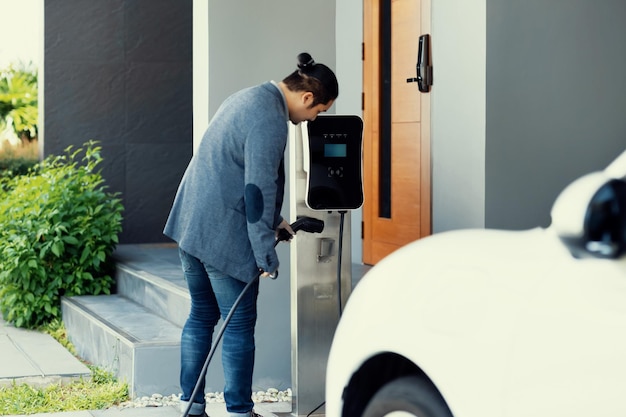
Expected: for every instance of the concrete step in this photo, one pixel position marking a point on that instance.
(119, 332)
(151, 276)
(160, 296)
(127, 339)
(135, 333)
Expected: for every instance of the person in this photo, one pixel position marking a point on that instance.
(225, 218)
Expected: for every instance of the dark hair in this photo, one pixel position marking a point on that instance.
(314, 77)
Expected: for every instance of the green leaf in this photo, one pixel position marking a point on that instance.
(57, 248)
(85, 254)
(71, 240)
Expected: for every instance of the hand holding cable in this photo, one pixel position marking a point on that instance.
(286, 232)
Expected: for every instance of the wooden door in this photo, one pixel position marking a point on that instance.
(396, 147)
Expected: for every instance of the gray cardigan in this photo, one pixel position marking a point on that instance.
(228, 203)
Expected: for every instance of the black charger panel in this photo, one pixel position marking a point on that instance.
(335, 163)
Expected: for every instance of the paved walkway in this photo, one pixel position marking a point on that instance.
(35, 358)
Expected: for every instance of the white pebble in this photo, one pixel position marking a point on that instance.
(159, 400)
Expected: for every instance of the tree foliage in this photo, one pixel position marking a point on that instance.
(18, 101)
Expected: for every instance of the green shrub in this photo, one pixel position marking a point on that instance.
(58, 228)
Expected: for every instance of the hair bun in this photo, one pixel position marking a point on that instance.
(305, 61)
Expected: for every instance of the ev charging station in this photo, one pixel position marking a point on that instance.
(325, 177)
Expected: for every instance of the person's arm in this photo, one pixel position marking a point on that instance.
(264, 151)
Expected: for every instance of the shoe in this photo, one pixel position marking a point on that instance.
(204, 414)
(255, 414)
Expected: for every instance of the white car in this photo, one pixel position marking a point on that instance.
(488, 323)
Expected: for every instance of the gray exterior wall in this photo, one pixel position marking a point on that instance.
(556, 101)
(528, 95)
(119, 71)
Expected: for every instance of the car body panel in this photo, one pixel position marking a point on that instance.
(505, 324)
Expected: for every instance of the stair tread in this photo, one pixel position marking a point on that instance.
(155, 260)
(135, 322)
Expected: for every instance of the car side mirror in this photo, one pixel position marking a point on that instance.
(589, 216)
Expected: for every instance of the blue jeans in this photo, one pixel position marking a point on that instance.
(213, 294)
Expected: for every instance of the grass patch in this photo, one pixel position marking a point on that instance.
(76, 396)
(102, 391)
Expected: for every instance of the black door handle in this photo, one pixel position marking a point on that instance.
(424, 68)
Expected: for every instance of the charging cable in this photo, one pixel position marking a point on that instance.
(342, 215)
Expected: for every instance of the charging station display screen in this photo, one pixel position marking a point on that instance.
(335, 175)
(335, 150)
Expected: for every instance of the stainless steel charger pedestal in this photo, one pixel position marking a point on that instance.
(314, 289)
